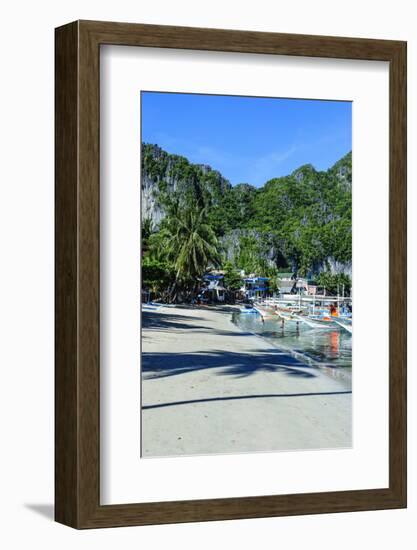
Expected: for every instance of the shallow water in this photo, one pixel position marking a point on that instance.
(329, 347)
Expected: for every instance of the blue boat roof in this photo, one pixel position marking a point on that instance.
(213, 277)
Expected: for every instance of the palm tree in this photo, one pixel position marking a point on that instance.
(191, 245)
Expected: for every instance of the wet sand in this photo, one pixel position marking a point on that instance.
(208, 387)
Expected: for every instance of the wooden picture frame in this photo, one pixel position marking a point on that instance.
(77, 405)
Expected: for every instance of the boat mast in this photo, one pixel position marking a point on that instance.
(314, 299)
(338, 300)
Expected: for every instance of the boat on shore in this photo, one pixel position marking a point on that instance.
(317, 321)
(314, 318)
(314, 312)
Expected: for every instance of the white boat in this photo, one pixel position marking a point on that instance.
(309, 320)
(248, 309)
(316, 322)
(286, 315)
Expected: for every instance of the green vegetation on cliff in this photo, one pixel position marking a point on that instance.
(301, 222)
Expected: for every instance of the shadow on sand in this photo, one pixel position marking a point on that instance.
(161, 365)
(173, 322)
(238, 397)
(168, 321)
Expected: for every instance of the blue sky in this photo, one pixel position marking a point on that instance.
(249, 140)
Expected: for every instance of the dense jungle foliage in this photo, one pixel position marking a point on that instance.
(299, 223)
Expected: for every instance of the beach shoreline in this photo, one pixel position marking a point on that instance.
(208, 387)
(344, 374)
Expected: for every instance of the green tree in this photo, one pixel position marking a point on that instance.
(302, 220)
(147, 230)
(157, 276)
(232, 278)
(334, 283)
(191, 245)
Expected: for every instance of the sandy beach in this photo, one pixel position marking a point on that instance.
(208, 387)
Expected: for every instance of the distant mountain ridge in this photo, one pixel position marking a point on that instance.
(302, 220)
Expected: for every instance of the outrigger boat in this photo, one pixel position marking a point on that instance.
(286, 315)
(295, 311)
(317, 321)
(313, 321)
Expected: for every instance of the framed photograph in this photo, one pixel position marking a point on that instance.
(230, 274)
